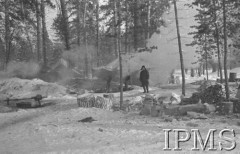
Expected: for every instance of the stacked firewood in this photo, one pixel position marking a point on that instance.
(104, 102)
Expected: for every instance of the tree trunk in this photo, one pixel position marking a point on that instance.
(126, 28)
(97, 29)
(44, 34)
(218, 44)
(115, 29)
(203, 69)
(136, 27)
(180, 48)
(206, 56)
(79, 22)
(25, 26)
(199, 71)
(7, 32)
(119, 51)
(85, 38)
(225, 50)
(78, 27)
(219, 55)
(65, 23)
(38, 16)
(148, 18)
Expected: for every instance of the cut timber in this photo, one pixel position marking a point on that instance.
(210, 108)
(176, 110)
(157, 110)
(90, 100)
(172, 110)
(194, 115)
(146, 110)
(147, 105)
(155, 107)
(236, 105)
(225, 108)
(200, 108)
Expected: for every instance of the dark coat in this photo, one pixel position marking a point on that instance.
(144, 76)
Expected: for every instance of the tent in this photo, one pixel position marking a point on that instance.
(130, 64)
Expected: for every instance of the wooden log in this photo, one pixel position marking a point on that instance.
(88, 101)
(225, 108)
(172, 110)
(236, 105)
(147, 105)
(177, 110)
(200, 108)
(146, 109)
(155, 111)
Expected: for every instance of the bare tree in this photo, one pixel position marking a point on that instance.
(206, 54)
(218, 42)
(7, 32)
(44, 34)
(25, 25)
(115, 29)
(39, 27)
(136, 28)
(126, 27)
(65, 23)
(148, 18)
(118, 10)
(180, 48)
(225, 50)
(97, 29)
(85, 38)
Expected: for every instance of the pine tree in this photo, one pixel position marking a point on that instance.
(225, 50)
(180, 48)
(7, 32)
(44, 34)
(65, 23)
(39, 27)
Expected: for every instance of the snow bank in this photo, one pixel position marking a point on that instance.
(20, 88)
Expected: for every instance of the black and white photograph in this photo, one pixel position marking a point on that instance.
(119, 76)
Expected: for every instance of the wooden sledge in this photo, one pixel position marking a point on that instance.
(28, 102)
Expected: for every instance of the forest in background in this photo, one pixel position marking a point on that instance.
(91, 33)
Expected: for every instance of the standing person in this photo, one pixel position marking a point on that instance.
(144, 76)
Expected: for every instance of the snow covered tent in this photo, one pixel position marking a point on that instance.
(131, 65)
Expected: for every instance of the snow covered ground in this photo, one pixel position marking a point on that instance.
(54, 128)
(58, 131)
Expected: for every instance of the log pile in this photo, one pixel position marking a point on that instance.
(88, 101)
(152, 106)
(225, 108)
(155, 107)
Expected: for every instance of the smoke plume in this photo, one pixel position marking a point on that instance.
(20, 69)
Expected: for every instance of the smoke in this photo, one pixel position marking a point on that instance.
(20, 69)
(75, 56)
(166, 58)
(73, 62)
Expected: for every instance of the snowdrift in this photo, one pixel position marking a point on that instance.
(23, 88)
